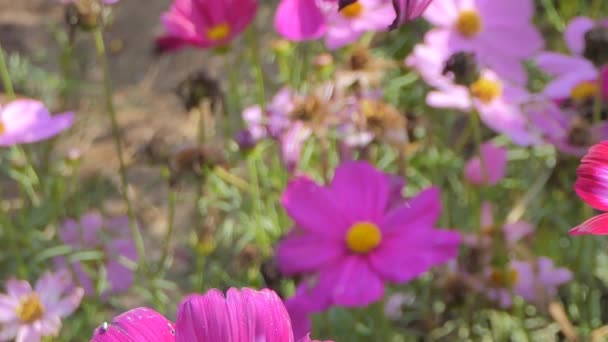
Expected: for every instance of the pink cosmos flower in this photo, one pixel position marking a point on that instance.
(500, 33)
(28, 121)
(27, 315)
(408, 10)
(107, 2)
(350, 243)
(111, 237)
(537, 282)
(494, 164)
(299, 20)
(205, 23)
(497, 101)
(346, 25)
(242, 316)
(592, 186)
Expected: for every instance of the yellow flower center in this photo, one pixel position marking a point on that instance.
(2, 128)
(469, 23)
(352, 10)
(30, 309)
(503, 278)
(486, 90)
(363, 237)
(584, 91)
(219, 32)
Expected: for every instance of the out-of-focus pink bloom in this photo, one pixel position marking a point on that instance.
(538, 282)
(140, 324)
(27, 315)
(490, 168)
(107, 2)
(408, 10)
(299, 20)
(28, 121)
(205, 23)
(350, 243)
(499, 33)
(242, 316)
(592, 186)
(254, 120)
(111, 237)
(292, 142)
(497, 101)
(354, 19)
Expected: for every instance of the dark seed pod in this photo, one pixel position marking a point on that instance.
(463, 67)
(198, 87)
(596, 45)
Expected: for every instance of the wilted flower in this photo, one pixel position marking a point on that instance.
(408, 10)
(489, 168)
(28, 121)
(592, 186)
(499, 33)
(112, 238)
(205, 23)
(536, 282)
(242, 316)
(348, 240)
(347, 24)
(27, 315)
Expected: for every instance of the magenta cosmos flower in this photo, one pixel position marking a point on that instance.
(299, 20)
(496, 100)
(592, 186)
(112, 237)
(242, 316)
(500, 33)
(28, 121)
(488, 169)
(27, 315)
(348, 240)
(205, 23)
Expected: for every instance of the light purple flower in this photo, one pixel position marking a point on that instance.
(497, 101)
(110, 236)
(27, 315)
(28, 121)
(351, 243)
(488, 169)
(350, 22)
(499, 33)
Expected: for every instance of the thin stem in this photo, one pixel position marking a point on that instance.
(476, 127)
(6, 78)
(598, 101)
(257, 64)
(170, 228)
(137, 237)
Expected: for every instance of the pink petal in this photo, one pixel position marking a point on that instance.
(556, 64)
(18, 288)
(313, 209)
(360, 191)
(301, 253)
(141, 324)
(575, 34)
(401, 258)
(419, 212)
(355, 284)
(490, 168)
(8, 305)
(592, 182)
(299, 20)
(597, 225)
(517, 230)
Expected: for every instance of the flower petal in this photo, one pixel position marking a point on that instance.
(592, 182)
(299, 20)
(490, 168)
(419, 212)
(575, 34)
(597, 225)
(141, 324)
(354, 283)
(301, 253)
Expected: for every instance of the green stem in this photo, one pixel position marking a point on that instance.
(598, 101)
(137, 237)
(170, 228)
(257, 63)
(6, 78)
